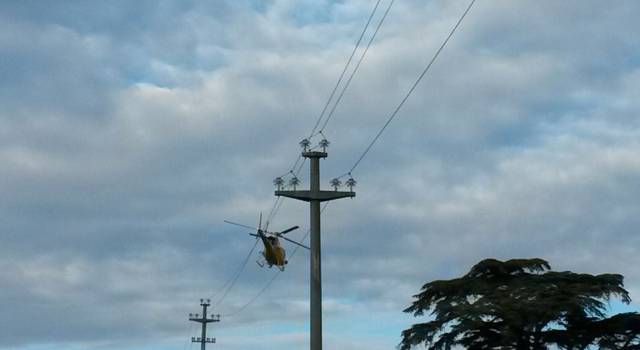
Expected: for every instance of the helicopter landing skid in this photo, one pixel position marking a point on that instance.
(259, 263)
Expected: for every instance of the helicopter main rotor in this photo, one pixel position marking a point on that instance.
(279, 234)
(241, 225)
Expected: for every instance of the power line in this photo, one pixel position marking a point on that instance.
(275, 211)
(335, 87)
(276, 208)
(355, 70)
(272, 212)
(424, 72)
(242, 308)
(188, 341)
(266, 286)
(275, 276)
(344, 70)
(276, 205)
(278, 202)
(231, 282)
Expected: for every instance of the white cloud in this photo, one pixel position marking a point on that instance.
(126, 141)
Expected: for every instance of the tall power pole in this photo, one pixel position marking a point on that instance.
(314, 196)
(203, 340)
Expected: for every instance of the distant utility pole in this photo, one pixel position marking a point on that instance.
(203, 340)
(314, 196)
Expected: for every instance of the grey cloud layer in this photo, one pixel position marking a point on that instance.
(128, 132)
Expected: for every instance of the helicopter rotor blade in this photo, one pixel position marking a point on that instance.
(289, 230)
(241, 225)
(294, 242)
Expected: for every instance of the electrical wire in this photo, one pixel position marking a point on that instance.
(231, 282)
(272, 213)
(335, 87)
(337, 84)
(188, 336)
(242, 308)
(276, 209)
(333, 92)
(355, 70)
(413, 87)
(344, 70)
(278, 203)
(275, 275)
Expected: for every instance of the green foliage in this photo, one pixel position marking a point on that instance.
(521, 304)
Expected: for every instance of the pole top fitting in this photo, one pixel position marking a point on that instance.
(351, 183)
(324, 143)
(305, 144)
(293, 182)
(278, 181)
(336, 183)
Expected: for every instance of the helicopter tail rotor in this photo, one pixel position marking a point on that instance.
(259, 232)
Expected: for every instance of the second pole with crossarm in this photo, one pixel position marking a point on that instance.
(203, 320)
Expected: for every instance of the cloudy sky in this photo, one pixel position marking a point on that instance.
(129, 130)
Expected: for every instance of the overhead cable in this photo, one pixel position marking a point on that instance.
(231, 282)
(297, 167)
(413, 87)
(355, 70)
(275, 275)
(188, 340)
(344, 70)
(293, 171)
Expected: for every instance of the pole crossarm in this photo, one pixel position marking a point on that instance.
(200, 340)
(321, 196)
(205, 320)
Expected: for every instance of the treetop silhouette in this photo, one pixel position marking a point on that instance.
(522, 304)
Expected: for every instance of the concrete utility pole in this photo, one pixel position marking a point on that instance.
(203, 340)
(314, 196)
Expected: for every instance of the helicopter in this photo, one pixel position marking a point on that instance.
(273, 253)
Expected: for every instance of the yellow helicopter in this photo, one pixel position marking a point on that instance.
(273, 253)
